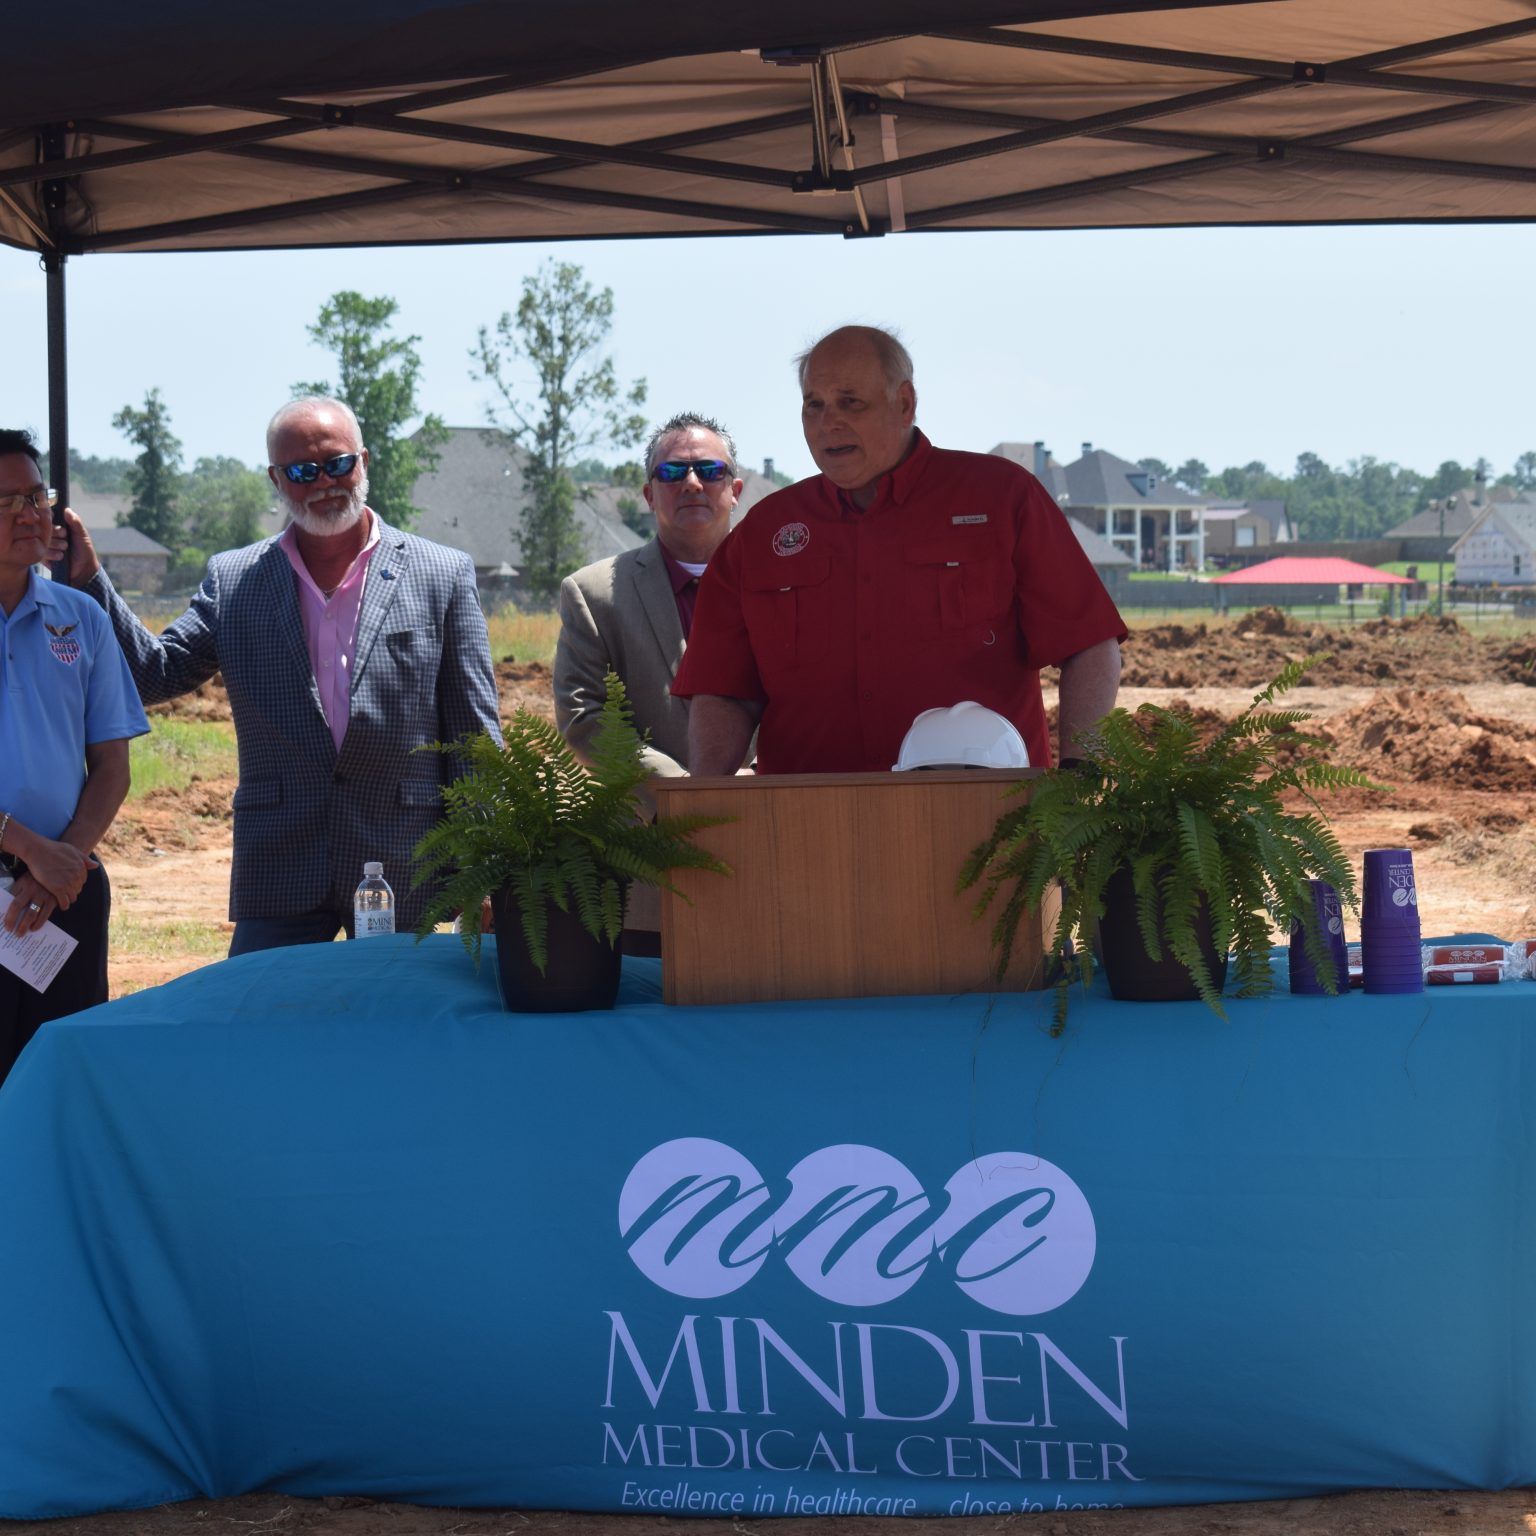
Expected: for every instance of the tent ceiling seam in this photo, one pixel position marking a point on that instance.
(1051, 130)
(1246, 147)
(571, 149)
(1073, 191)
(107, 160)
(407, 170)
(1165, 138)
(284, 212)
(1451, 42)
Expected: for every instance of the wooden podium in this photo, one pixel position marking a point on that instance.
(843, 886)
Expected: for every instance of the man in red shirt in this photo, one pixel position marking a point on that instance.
(903, 578)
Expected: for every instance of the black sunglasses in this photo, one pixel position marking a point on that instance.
(670, 471)
(306, 474)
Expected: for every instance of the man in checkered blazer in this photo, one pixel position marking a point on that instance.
(344, 644)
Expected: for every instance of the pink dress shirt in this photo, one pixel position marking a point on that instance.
(330, 627)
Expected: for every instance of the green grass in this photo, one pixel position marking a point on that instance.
(173, 939)
(177, 751)
(523, 637)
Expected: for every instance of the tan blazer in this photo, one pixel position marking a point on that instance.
(620, 615)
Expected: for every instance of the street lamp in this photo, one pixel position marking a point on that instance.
(1445, 506)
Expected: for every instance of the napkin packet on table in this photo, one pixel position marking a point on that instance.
(1449, 965)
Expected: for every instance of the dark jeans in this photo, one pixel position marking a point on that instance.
(80, 983)
(253, 933)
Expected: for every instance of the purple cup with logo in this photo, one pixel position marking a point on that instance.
(1330, 921)
(1390, 895)
(1389, 923)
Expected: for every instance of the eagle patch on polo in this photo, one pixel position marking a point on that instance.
(64, 649)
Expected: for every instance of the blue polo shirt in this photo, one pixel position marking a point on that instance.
(64, 684)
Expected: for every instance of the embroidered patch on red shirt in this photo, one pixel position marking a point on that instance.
(791, 539)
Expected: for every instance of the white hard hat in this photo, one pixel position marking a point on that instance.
(967, 735)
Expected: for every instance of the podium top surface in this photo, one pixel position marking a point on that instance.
(850, 780)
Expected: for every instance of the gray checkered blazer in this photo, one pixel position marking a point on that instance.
(306, 816)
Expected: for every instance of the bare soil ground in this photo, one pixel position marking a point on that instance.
(1370, 1513)
(1447, 718)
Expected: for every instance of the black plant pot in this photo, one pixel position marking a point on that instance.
(1133, 976)
(582, 971)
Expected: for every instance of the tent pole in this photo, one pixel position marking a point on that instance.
(54, 145)
(58, 395)
(58, 377)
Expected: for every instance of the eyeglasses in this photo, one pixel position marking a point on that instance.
(37, 500)
(306, 474)
(670, 471)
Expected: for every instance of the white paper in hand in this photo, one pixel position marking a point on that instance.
(35, 957)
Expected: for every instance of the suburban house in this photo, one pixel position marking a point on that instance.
(1158, 524)
(1499, 549)
(134, 561)
(1434, 532)
(473, 500)
(1231, 527)
(1037, 459)
(1149, 521)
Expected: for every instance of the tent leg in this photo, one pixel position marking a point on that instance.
(58, 393)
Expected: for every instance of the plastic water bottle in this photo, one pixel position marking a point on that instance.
(373, 907)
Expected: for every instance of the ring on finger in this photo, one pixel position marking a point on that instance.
(33, 906)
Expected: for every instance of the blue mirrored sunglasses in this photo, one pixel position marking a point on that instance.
(306, 474)
(670, 471)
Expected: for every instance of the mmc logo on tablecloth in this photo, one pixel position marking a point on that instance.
(853, 1224)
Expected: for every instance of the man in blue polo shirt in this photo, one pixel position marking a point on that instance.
(67, 709)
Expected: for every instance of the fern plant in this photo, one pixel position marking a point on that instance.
(530, 816)
(1196, 825)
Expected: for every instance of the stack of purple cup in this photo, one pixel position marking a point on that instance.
(1389, 923)
(1330, 921)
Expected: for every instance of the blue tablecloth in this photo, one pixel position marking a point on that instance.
(326, 1220)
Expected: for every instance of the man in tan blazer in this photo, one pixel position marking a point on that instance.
(631, 614)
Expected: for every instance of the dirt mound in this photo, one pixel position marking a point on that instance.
(518, 685)
(525, 685)
(1404, 735)
(1422, 652)
(1420, 624)
(1271, 621)
(1516, 663)
(208, 701)
(198, 816)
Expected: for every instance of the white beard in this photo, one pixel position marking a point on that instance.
(326, 525)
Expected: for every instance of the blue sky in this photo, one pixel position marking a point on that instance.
(1410, 344)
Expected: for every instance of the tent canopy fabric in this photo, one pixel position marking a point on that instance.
(1310, 571)
(178, 125)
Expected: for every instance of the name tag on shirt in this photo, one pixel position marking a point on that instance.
(972, 517)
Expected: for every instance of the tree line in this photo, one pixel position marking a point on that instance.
(1359, 500)
(555, 393)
